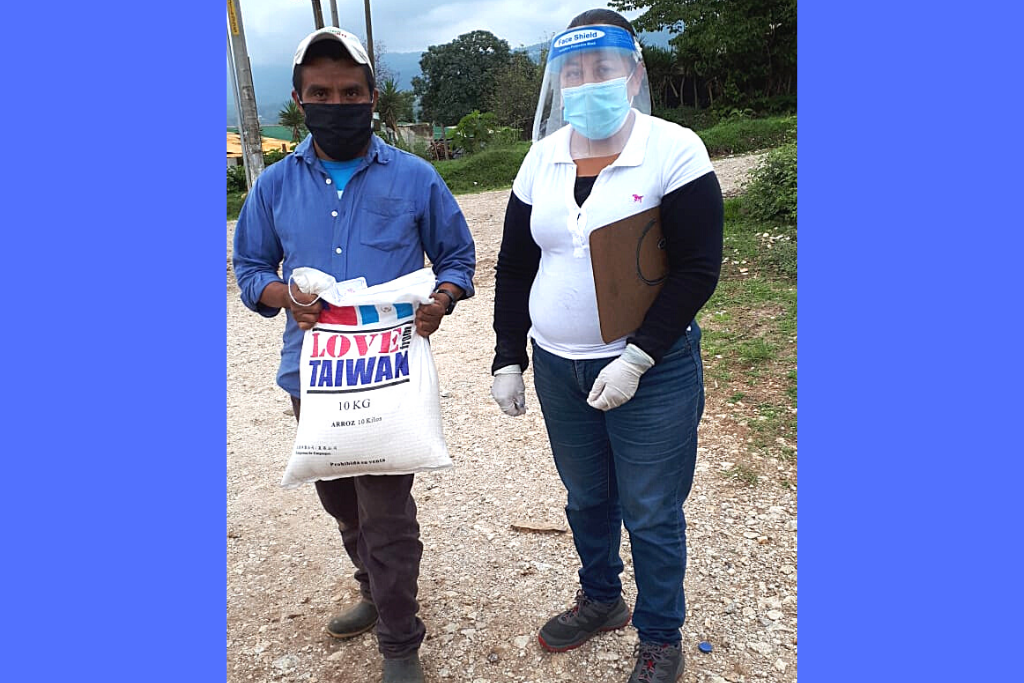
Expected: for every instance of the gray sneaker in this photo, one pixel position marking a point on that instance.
(657, 663)
(576, 626)
(357, 619)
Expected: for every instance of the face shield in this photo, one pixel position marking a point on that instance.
(593, 79)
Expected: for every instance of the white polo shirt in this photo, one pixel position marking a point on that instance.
(659, 157)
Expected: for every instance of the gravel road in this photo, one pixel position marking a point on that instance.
(485, 585)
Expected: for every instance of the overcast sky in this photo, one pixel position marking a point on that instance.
(273, 28)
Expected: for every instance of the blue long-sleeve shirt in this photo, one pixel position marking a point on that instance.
(394, 209)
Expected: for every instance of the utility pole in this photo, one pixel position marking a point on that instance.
(234, 85)
(245, 95)
(369, 36)
(318, 14)
(334, 13)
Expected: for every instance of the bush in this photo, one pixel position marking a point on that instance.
(770, 195)
(235, 201)
(422, 150)
(493, 168)
(236, 174)
(236, 179)
(473, 131)
(476, 132)
(273, 156)
(505, 136)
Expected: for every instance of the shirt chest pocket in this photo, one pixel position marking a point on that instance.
(388, 224)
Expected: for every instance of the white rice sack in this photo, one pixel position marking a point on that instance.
(370, 398)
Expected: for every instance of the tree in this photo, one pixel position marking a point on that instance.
(740, 50)
(291, 117)
(513, 100)
(459, 76)
(660, 65)
(660, 14)
(393, 105)
(381, 71)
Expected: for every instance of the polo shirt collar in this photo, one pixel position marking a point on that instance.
(378, 151)
(631, 155)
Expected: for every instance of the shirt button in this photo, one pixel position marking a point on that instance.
(338, 250)
(334, 213)
(328, 181)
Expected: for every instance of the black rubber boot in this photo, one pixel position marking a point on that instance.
(404, 670)
(357, 619)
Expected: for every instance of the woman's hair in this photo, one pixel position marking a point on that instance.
(602, 16)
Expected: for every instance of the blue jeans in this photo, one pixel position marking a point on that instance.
(634, 465)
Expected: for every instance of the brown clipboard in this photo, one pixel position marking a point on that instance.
(630, 265)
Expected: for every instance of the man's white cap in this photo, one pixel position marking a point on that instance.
(348, 41)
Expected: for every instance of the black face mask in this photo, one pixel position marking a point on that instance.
(341, 130)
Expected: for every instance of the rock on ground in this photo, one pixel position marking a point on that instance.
(485, 587)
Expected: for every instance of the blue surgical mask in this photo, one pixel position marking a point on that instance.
(597, 110)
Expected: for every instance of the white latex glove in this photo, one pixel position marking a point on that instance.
(509, 391)
(617, 383)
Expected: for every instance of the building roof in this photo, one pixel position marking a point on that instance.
(269, 144)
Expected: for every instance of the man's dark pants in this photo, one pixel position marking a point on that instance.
(377, 518)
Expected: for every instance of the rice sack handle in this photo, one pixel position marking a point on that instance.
(370, 396)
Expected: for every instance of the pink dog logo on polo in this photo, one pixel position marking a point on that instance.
(638, 198)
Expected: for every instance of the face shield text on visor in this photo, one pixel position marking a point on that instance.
(593, 79)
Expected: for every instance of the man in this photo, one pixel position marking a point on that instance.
(346, 203)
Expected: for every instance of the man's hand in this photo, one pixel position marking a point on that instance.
(428, 316)
(617, 383)
(509, 391)
(305, 308)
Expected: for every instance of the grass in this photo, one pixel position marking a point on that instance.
(742, 473)
(749, 344)
(755, 350)
(491, 169)
(748, 135)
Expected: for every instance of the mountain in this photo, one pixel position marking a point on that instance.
(273, 83)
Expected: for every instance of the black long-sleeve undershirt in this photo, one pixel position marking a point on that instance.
(691, 222)
(518, 262)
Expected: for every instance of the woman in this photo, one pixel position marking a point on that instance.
(621, 415)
